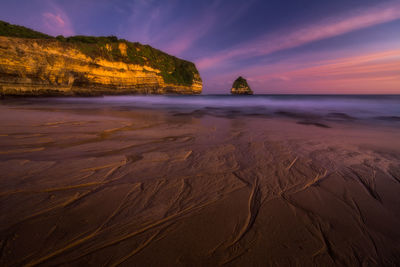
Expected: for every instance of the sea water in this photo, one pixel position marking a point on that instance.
(355, 106)
(383, 108)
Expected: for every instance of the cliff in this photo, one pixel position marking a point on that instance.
(34, 64)
(240, 87)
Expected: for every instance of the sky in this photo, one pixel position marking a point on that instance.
(279, 46)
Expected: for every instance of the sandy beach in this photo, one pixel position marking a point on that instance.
(110, 185)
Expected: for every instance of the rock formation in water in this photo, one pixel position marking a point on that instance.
(35, 64)
(240, 87)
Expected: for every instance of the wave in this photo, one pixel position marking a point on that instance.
(314, 110)
(340, 107)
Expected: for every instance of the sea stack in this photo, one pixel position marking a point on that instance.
(240, 87)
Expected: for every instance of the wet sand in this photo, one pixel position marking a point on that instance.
(106, 186)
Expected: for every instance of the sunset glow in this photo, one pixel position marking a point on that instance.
(289, 47)
(200, 133)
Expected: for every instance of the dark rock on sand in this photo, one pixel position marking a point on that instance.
(318, 124)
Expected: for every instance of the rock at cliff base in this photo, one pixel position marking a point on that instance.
(240, 87)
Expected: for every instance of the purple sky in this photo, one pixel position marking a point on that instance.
(280, 46)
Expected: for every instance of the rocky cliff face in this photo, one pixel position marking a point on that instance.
(240, 87)
(90, 66)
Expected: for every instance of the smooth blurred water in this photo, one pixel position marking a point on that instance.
(357, 106)
(367, 108)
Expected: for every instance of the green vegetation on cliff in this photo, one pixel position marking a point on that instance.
(240, 82)
(173, 70)
(241, 87)
(10, 30)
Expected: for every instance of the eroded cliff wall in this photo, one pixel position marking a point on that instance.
(53, 67)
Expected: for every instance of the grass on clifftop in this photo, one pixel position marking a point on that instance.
(7, 29)
(173, 70)
(240, 82)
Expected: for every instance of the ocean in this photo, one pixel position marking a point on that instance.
(362, 108)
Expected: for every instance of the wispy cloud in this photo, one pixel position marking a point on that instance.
(315, 72)
(371, 72)
(189, 34)
(144, 15)
(286, 39)
(56, 21)
(217, 14)
(158, 24)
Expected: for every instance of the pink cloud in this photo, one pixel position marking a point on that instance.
(152, 24)
(377, 72)
(190, 34)
(56, 22)
(186, 34)
(299, 36)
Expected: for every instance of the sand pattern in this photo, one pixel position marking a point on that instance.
(118, 187)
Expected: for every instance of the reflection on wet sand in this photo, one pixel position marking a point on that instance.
(122, 186)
